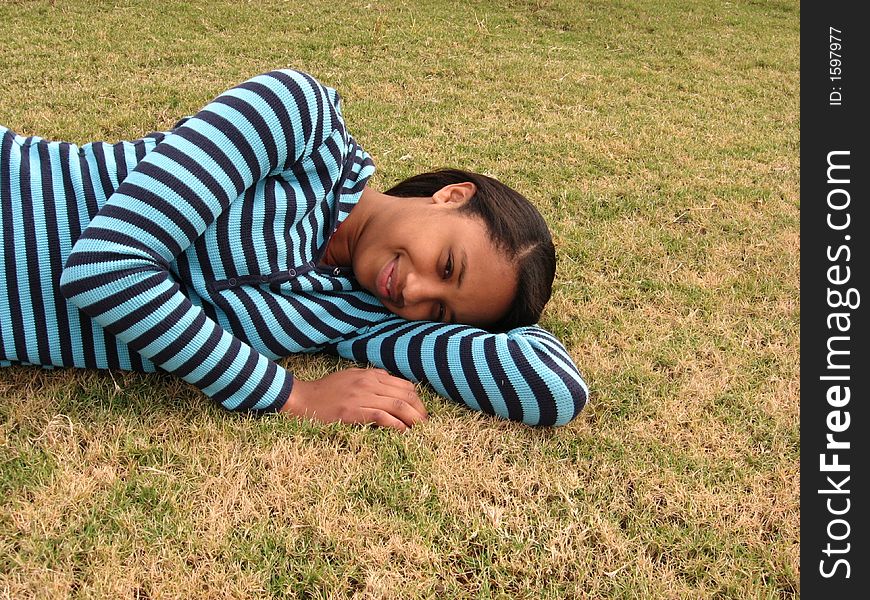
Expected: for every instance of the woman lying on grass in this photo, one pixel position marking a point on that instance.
(248, 233)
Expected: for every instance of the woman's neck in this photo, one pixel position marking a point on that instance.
(343, 243)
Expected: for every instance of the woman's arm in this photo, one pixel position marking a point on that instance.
(118, 271)
(523, 375)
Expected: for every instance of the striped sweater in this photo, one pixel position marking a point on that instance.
(196, 251)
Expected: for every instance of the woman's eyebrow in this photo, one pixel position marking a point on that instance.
(464, 268)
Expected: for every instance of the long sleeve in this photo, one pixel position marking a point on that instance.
(523, 375)
(118, 272)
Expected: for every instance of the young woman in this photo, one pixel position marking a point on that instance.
(248, 233)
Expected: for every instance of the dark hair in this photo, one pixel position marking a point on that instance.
(515, 227)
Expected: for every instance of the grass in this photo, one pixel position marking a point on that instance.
(659, 139)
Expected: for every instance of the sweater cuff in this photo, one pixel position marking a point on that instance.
(283, 395)
(266, 391)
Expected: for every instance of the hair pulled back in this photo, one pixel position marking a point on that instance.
(515, 227)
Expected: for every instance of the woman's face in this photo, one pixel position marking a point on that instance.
(425, 260)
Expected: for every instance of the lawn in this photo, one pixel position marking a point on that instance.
(660, 139)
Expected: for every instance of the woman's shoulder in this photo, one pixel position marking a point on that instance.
(304, 87)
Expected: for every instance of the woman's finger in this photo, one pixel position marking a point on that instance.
(402, 388)
(414, 400)
(407, 395)
(387, 377)
(397, 406)
(381, 418)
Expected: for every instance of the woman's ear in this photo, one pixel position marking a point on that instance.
(455, 193)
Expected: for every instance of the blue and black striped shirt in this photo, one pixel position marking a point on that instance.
(197, 251)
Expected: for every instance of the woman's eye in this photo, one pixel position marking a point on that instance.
(440, 312)
(448, 268)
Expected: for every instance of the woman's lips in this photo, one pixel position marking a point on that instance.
(386, 281)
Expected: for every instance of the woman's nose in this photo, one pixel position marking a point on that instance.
(417, 289)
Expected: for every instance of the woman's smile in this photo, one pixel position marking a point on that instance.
(387, 282)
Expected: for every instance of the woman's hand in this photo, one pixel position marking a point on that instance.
(358, 396)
